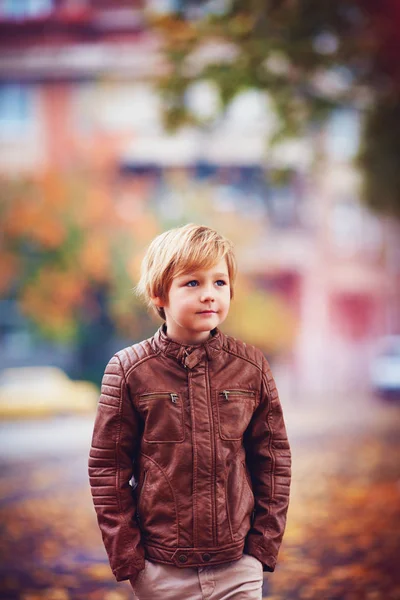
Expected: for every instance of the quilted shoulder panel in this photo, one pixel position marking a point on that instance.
(134, 354)
(243, 350)
(111, 383)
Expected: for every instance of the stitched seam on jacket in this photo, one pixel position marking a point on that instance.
(227, 510)
(172, 549)
(273, 461)
(173, 493)
(252, 362)
(125, 522)
(265, 375)
(136, 364)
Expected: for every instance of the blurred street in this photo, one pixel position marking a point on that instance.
(342, 538)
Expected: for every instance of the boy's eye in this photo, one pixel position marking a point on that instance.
(221, 282)
(192, 283)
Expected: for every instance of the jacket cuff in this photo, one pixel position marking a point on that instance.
(267, 569)
(127, 572)
(268, 562)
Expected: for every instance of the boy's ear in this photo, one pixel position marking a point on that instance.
(157, 301)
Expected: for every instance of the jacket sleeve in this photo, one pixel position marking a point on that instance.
(269, 462)
(114, 444)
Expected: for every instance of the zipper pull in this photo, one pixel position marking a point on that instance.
(226, 394)
(174, 398)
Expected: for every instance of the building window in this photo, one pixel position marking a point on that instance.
(25, 8)
(16, 109)
(343, 135)
(353, 315)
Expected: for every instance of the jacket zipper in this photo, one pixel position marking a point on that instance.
(173, 397)
(194, 447)
(213, 463)
(226, 393)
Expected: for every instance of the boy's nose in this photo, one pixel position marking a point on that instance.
(207, 296)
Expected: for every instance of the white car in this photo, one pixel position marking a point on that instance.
(40, 391)
(385, 368)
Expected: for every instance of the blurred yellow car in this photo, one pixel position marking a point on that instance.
(42, 391)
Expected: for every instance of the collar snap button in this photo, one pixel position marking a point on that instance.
(206, 557)
(182, 558)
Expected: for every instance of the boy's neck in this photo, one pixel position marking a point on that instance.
(187, 341)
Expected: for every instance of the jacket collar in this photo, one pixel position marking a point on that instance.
(189, 356)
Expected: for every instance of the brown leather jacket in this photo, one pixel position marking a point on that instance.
(190, 462)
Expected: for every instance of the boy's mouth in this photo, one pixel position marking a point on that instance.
(207, 312)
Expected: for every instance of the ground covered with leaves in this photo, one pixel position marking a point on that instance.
(342, 540)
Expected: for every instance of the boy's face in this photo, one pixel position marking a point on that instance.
(197, 302)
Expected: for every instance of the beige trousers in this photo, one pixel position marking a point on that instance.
(237, 580)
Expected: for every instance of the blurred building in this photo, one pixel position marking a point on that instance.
(59, 61)
(76, 88)
(351, 291)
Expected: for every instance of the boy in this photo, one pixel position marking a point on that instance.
(190, 463)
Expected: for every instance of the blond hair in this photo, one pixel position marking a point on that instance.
(180, 251)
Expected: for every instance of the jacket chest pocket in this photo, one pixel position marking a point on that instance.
(235, 409)
(163, 417)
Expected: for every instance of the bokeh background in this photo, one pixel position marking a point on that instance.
(275, 122)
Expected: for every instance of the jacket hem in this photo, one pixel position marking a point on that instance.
(194, 557)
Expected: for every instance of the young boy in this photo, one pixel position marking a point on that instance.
(190, 462)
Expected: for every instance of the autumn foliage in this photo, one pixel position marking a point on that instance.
(62, 236)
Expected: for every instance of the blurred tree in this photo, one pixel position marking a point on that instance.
(65, 258)
(311, 56)
(262, 318)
